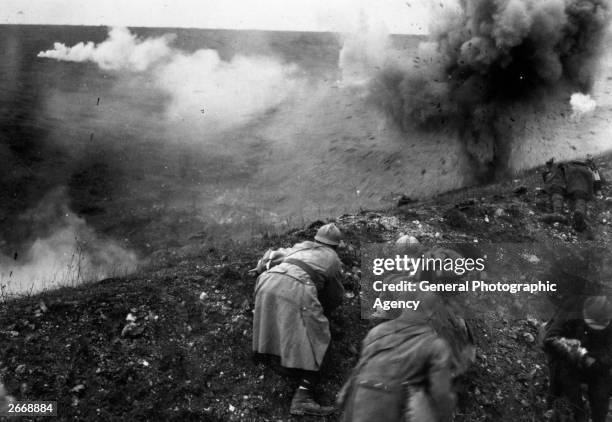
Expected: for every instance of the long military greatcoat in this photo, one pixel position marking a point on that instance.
(288, 319)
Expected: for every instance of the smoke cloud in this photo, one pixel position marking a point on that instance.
(582, 105)
(145, 124)
(484, 57)
(121, 51)
(213, 93)
(363, 51)
(68, 252)
(221, 94)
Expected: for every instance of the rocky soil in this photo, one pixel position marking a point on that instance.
(173, 342)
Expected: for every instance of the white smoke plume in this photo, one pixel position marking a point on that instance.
(221, 93)
(364, 50)
(68, 254)
(582, 105)
(214, 93)
(121, 51)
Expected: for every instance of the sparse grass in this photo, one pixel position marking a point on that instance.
(25, 280)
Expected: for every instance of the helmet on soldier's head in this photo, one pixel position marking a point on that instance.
(328, 234)
(597, 312)
(407, 240)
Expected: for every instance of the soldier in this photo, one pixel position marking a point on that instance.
(574, 180)
(579, 350)
(297, 288)
(407, 365)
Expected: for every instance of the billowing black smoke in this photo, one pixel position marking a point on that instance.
(484, 56)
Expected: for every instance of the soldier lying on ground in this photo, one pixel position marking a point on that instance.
(407, 365)
(297, 288)
(579, 350)
(577, 181)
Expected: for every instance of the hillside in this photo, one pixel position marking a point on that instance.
(186, 356)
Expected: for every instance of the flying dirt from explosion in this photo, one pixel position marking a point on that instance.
(484, 58)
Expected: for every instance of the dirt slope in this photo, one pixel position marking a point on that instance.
(186, 356)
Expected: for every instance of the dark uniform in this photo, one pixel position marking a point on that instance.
(407, 366)
(404, 374)
(573, 180)
(579, 354)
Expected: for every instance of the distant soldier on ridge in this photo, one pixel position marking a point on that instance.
(576, 180)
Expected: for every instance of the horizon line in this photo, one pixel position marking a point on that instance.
(420, 34)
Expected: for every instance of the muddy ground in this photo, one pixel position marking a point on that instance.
(186, 355)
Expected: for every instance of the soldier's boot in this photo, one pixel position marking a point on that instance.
(580, 215)
(556, 200)
(303, 404)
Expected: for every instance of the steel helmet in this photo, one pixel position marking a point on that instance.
(328, 234)
(597, 312)
(407, 240)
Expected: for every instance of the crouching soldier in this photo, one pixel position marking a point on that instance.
(574, 180)
(403, 374)
(297, 288)
(579, 350)
(407, 366)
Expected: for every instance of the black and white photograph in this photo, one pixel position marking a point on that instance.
(306, 210)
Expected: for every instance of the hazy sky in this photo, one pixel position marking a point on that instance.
(399, 16)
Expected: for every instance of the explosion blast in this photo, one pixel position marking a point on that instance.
(486, 56)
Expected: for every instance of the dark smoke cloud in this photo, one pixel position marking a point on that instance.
(485, 56)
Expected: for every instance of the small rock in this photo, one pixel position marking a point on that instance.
(20, 369)
(528, 337)
(77, 388)
(130, 317)
(43, 306)
(132, 329)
